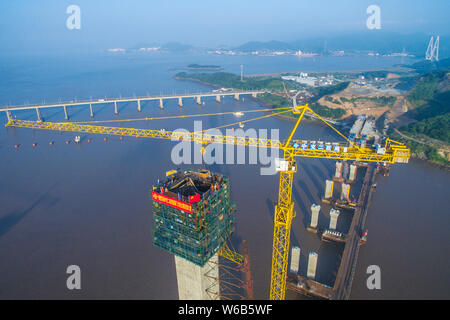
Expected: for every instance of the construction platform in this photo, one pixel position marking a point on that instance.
(353, 240)
(193, 214)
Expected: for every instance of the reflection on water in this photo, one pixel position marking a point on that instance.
(88, 203)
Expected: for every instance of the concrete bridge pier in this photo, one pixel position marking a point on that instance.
(38, 113)
(195, 282)
(218, 98)
(161, 104)
(115, 108)
(334, 215)
(8, 115)
(295, 259)
(66, 115)
(236, 96)
(338, 173)
(328, 189)
(139, 105)
(90, 109)
(315, 209)
(180, 102)
(353, 170)
(312, 265)
(199, 99)
(254, 95)
(345, 191)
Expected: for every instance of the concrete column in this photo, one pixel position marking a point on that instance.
(334, 214)
(90, 109)
(315, 210)
(199, 99)
(353, 170)
(218, 98)
(345, 191)
(180, 101)
(236, 96)
(161, 104)
(254, 95)
(346, 170)
(328, 189)
(195, 282)
(9, 115)
(338, 173)
(115, 108)
(312, 265)
(295, 259)
(66, 116)
(139, 105)
(38, 113)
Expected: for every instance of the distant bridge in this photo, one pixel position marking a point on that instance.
(196, 96)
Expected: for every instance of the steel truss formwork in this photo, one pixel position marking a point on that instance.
(198, 230)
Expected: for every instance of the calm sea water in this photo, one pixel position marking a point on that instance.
(88, 204)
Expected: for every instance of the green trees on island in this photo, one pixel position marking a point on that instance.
(230, 80)
(431, 99)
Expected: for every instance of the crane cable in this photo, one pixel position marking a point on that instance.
(253, 119)
(182, 116)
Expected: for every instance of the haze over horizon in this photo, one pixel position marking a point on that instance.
(32, 27)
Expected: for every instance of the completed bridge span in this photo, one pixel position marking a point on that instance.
(197, 96)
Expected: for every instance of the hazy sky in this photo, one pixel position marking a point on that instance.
(40, 25)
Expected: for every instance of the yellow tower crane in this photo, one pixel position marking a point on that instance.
(392, 152)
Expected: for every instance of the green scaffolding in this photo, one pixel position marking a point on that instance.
(195, 236)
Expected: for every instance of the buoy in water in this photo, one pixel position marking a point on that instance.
(88, 140)
(105, 139)
(121, 138)
(51, 143)
(16, 146)
(34, 145)
(67, 142)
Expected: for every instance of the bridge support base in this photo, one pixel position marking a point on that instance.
(161, 104)
(38, 113)
(66, 115)
(115, 108)
(92, 111)
(180, 102)
(139, 105)
(334, 215)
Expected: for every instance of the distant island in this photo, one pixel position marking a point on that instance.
(212, 67)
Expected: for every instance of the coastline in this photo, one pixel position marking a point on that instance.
(278, 74)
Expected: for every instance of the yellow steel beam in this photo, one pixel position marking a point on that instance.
(300, 117)
(284, 213)
(231, 255)
(394, 152)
